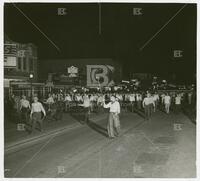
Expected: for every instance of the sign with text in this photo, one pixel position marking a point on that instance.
(21, 53)
(10, 55)
(98, 75)
(10, 50)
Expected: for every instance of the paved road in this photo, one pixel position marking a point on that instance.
(163, 147)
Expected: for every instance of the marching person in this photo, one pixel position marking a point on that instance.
(113, 126)
(132, 101)
(147, 106)
(92, 102)
(178, 103)
(67, 101)
(173, 97)
(139, 101)
(119, 98)
(190, 98)
(24, 108)
(78, 98)
(126, 101)
(100, 101)
(156, 101)
(162, 101)
(50, 101)
(95, 102)
(36, 114)
(167, 101)
(86, 105)
(152, 104)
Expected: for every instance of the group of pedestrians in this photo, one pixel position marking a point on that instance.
(145, 102)
(35, 112)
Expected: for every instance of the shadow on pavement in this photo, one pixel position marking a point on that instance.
(78, 114)
(139, 112)
(190, 112)
(98, 128)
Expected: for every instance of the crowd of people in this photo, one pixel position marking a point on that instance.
(56, 104)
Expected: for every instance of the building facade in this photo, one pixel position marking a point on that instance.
(20, 67)
(20, 60)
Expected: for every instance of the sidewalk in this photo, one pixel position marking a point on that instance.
(15, 138)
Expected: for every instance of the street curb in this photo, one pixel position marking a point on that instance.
(29, 141)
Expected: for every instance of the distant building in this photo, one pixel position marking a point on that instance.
(19, 61)
(142, 76)
(57, 70)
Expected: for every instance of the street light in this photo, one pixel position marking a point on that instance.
(31, 78)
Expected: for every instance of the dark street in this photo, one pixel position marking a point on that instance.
(154, 148)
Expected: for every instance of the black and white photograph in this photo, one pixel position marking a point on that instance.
(99, 89)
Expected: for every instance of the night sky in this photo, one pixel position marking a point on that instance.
(122, 35)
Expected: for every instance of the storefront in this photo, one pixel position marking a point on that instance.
(25, 88)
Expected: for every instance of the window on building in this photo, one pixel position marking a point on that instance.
(24, 63)
(19, 65)
(31, 64)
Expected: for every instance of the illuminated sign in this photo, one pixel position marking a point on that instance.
(10, 55)
(21, 53)
(10, 61)
(10, 50)
(95, 73)
(72, 71)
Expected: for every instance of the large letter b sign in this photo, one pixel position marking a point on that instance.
(95, 72)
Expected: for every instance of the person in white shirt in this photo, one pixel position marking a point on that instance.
(59, 97)
(100, 102)
(127, 97)
(152, 104)
(139, 100)
(67, 101)
(24, 107)
(95, 101)
(86, 105)
(156, 101)
(92, 102)
(173, 97)
(79, 98)
(120, 97)
(54, 96)
(50, 101)
(147, 103)
(113, 126)
(189, 98)
(132, 101)
(24, 103)
(36, 114)
(167, 102)
(17, 103)
(178, 102)
(162, 98)
(126, 101)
